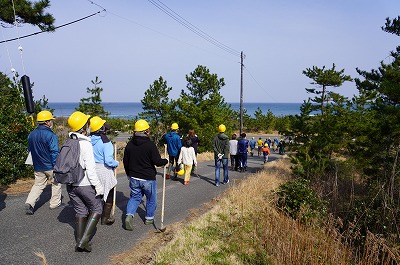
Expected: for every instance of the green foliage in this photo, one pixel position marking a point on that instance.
(92, 105)
(297, 199)
(260, 122)
(27, 12)
(15, 126)
(158, 108)
(324, 78)
(202, 107)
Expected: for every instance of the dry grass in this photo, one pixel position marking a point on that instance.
(42, 257)
(243, 227)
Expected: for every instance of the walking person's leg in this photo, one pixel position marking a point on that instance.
(55, 199)
(245, 161)
(36, 190)
(225, 168)
(170, 167)
(188, 170)
(217, 171)
(136, 196)
(92, 204)
(150, 190)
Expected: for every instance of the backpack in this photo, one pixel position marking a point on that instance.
(67, 169)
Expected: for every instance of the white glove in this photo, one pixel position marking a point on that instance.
(99, 190)
(220, 156)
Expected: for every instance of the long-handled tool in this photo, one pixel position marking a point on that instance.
(163, 228)
(115, 187)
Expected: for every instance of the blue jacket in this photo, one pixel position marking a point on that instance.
(243, 145)
(43, 145)
(103, 152)
(252, 143)
(174, 143)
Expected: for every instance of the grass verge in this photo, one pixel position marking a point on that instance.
(242, 226)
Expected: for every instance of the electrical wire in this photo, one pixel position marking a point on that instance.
(258, 83)
(229, 48)
(164, 34)
(192, 28)
(19, 43)
(63, 25)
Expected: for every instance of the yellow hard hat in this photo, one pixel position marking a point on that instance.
(141, 125)
(221, 128)
(77, 120)
(181, 170)
(96, 123)
(174, 126)
(44, 115)
(266, 145)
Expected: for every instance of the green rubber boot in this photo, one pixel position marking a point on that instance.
(80, 225)
(106, 218)
(83, 245)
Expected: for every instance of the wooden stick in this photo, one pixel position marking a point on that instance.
(115, 188)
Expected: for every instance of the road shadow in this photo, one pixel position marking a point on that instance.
(207, 179)
(67, 215)
(44, 197)
(122, 202)
(3, 201)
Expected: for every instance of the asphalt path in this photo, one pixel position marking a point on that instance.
(52, 231)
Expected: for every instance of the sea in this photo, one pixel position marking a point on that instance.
(129, 110)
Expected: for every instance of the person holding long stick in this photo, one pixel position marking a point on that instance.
(140, 158)
(105, 165)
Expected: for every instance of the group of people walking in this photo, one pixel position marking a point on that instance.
(93, 197)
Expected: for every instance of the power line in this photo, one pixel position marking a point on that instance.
(39, 32)
(258, 83)
(164, 34)
(164, 8)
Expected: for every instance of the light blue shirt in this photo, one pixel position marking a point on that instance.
(103, 152)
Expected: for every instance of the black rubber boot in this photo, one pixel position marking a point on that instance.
(106, 218)
(80, 225)
(83, 244)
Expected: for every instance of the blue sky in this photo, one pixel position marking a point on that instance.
(133, 43)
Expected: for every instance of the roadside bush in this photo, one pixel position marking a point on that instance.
(299, 201)
(15, 126)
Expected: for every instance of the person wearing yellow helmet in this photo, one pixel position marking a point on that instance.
(220, 146)
(174, 145)
(43, 147)
(140, 158)
(266, 152)
(86, 195)
(105, 165)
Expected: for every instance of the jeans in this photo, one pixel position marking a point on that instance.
(265, 157)
(173, 160)
(138, 189)
(243, 160)
(218, 162)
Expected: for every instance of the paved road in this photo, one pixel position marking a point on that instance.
(52, 231)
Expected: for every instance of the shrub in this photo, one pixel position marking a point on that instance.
(299, 201)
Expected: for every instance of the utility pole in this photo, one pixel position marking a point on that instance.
(241, 92)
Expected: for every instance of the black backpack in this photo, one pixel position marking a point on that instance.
(67, 169)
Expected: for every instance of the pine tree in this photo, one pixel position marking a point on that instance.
(92, 104)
